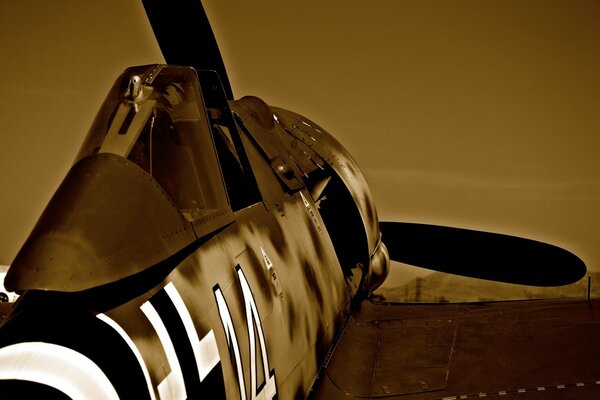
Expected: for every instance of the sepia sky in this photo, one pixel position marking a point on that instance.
(478, 114)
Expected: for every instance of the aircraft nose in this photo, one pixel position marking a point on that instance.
(107, 220)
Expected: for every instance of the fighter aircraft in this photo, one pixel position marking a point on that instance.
(207, 247)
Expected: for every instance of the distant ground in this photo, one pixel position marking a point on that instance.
(439, 287)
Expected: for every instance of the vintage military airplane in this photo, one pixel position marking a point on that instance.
(206, 247)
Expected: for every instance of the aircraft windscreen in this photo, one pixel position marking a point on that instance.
(155, 117)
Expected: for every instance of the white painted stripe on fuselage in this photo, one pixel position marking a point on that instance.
(106, 319)
(173, 386)
(56, 366)
(207, 356)
(231, 336)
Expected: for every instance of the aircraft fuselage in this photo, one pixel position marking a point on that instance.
(251, 300)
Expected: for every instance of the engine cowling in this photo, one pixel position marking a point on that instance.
(297, 147)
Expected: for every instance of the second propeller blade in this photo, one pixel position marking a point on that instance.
(481, 255)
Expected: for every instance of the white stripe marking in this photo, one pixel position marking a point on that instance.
(580, 384)
(541, 388)
(521, 391)
(106, 319)
(173, 386)
(560, 386)
(502, 392)
(210, 354)
(207, 354)
(56, 366)
(231, 337)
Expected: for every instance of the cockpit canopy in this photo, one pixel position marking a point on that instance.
(148, 182)
(155, 117)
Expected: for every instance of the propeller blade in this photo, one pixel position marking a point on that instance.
(185, 37)
(481, 255)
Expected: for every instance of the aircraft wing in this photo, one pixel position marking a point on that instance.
(542, 349)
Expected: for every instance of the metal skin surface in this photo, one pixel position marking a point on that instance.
(374, 255)
(249, 308)
(341, 162)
